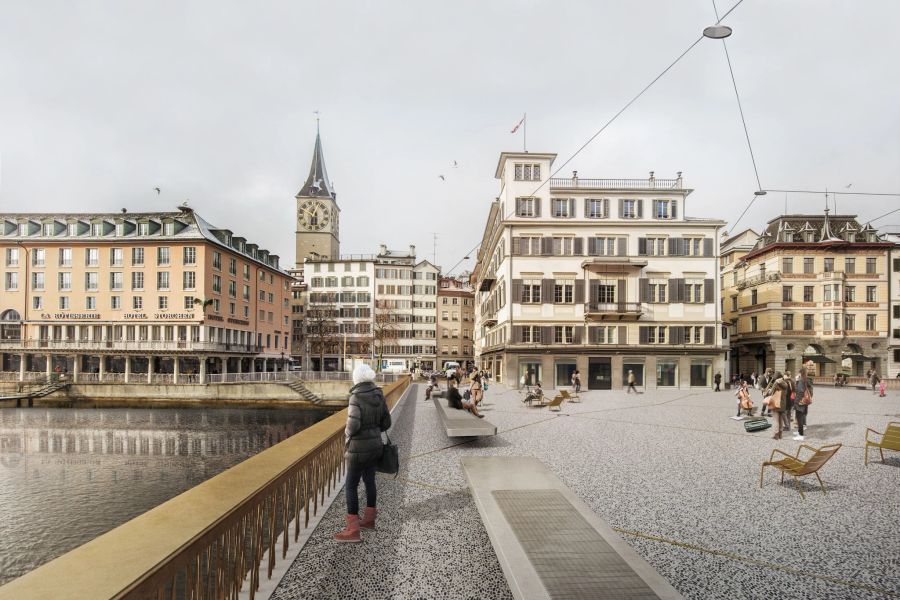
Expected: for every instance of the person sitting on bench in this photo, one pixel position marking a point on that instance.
(536, 393)
(455, 400)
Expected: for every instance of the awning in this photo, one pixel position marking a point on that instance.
(817, 358)
(859, 357)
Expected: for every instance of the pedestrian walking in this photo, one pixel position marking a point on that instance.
(576, 381)
(775, 396)
(764, 381)
(476, 389)
(754, 379)
(631, 381)
(881, 387)
(367, 417)
(718, 380)
(803, 393)
(874, 379)
(789, 404)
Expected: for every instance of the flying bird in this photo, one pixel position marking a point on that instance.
(847, 187)
(157, 190)
(455, 164)
(442, 178)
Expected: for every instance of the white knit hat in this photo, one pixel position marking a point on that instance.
(363, 372)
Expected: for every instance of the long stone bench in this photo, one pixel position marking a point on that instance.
(548, 542)
(462, 423)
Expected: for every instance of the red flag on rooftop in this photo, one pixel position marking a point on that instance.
(519, 124)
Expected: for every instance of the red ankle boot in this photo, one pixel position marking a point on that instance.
(368, 520)
(350, 532)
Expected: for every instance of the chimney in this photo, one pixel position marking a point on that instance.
(382, 249)
(412, 250)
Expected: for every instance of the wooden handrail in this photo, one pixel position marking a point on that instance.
(208, 542)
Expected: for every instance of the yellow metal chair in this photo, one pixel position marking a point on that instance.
(890, 440)
(571, 397)
(792, 465)
(556, 402)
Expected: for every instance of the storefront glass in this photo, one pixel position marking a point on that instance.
(564, 370)
(700, 373)
(529, 373)
(666, 373)
(637, 369)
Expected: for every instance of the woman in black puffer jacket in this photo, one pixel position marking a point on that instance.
(367, 417)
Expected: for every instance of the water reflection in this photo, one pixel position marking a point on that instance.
(69, 475)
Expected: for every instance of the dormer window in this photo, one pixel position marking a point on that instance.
(527, 172)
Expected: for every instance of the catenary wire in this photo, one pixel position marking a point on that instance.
(614, 117)
(837, 193)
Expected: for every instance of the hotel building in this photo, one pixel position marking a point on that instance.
(812, 291)
(137, 297)
(607, 276)
(456, 322)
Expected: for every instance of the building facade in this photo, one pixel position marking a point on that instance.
(893, 368)
(606, 276)
(137, 297)
(732, 252)
(374, 307)
(455, 322)
(812, 291)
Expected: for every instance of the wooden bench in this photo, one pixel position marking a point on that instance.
(462, 423)
(548, 542)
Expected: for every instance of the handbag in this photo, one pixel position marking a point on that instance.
(806, 400)
(485, 386)
(774, 401)
(390, 458)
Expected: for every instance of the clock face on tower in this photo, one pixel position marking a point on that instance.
(313, 215)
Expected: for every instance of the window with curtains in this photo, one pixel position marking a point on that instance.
(629, 209)
(603, 246)
(808, 293)
(693, 291)
(664, 209)
(656, 246)
(530, 245)
(605, 335)
(693, 246)
(596, 208)
(562, 207)
(562, 246)
(657, 291)
(871, 292)
(526, 207)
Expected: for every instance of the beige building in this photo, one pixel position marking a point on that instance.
(137, 297)
(606, 276)
(812, 290)
(455, 322)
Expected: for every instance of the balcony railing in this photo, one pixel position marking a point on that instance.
(614, 308)
(614, 184)
(129, 346)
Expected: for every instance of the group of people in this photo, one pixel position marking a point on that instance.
(783, 396)
(876, 382)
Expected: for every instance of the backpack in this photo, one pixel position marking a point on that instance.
(467, 395)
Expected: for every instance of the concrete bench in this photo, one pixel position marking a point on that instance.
(548, 542)
(462, 423)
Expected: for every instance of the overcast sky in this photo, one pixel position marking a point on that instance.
(100, 102)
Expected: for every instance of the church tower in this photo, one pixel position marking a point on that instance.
(317, 212)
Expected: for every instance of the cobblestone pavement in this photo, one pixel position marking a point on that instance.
(669, 470)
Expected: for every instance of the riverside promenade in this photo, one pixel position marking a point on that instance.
(668, 470)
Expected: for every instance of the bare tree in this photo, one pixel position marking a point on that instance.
(321, 331)
(384, 328)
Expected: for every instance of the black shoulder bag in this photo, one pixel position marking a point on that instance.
(390, 458)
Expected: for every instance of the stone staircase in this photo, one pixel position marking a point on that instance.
(304, 391)
(38, 393)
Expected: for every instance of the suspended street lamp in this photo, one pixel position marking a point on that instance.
(717, 32)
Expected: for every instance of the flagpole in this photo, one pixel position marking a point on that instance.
(524, 132)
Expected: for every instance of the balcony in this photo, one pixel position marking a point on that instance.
(613, 264)
(128, 347)
(613, 311)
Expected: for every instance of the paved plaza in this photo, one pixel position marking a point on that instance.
(669, 470)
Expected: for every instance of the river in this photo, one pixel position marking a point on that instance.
(68, 475)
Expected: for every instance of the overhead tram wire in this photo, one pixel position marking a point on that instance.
(616, 116)
(840, 193)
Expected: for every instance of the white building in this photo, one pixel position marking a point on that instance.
(357, 303)
(605, 276)
(892, 368)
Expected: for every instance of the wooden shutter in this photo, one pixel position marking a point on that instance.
(620, 293)
(673, 246)
(623, 335)
(592, 246)
(517, 334)
(606, 207)
(519, 202)
(587, 207)
(643, 335)
(707, 247)
(579, 291)
(547, 335)
(674, 206)
(621, 246)
(621, 207)
(640, 208)
(595, 292)
(578, 246)
(547, 291)
(516, 246)
(571, 208)
(578, 334)
(709, 291)
(546, 246)
(644, 289)
(709, 333)
(537, 207)
(675, 291)
(642, 246)
(517, 291)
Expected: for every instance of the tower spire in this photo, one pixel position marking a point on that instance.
(317, 182)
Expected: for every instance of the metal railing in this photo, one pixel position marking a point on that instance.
(614, 184)
(132, 345)
(249, 377)
(342, 376)
(212, 541)
(614, 307)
